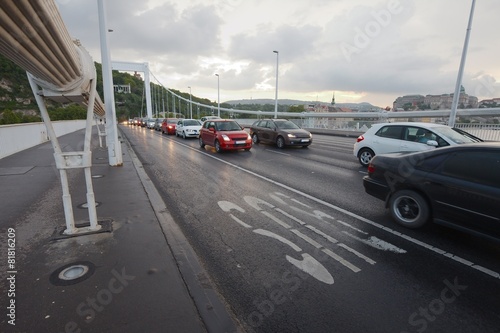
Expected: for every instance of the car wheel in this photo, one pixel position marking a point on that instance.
(409, 209)
(280, 142)
(365, 155)
(183, 134)
(200, 140)
(217, 146)
(255, 138)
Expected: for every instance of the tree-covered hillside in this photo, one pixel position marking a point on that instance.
(17, 104)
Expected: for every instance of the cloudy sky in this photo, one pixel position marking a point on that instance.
(361, 50)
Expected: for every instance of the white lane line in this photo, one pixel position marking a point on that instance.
(329, 252)
(277, 220)
(342, 245)
(341, 260)
(276, 152)
(290, 216)
(351, 214)
(240, 221)
(278, 238)
(377, 243)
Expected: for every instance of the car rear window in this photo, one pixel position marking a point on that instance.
(392, 132)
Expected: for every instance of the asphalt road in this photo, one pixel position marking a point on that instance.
(293, 243)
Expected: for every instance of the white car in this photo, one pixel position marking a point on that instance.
(188, 128)
(407, 137)
(150, 123)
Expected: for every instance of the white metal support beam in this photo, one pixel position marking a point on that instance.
(114, 146)
(71, 160)
(138, 67)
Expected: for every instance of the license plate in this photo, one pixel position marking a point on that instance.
(240, 142)
(304, 140)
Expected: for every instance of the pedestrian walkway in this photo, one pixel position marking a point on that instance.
(138, 274)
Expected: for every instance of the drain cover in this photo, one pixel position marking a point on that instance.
(72, 273)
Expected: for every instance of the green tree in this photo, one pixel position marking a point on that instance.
(296, 108)
(10, 117)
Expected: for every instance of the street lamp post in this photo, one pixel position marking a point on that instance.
(276, 94)
(190, 104)
(456, 96)
(218, 96)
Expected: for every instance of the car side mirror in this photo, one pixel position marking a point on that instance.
(432, 143)
(211, 129)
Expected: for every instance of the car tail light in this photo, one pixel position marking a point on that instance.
(360, 138)
(371, 169)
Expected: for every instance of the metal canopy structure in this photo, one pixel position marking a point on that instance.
(33, 35)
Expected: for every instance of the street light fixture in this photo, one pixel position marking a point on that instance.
(276, 95)
(190, 104)
(218, 96)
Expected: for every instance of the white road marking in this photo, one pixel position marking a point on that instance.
(282, 239)
(277, 152)
(341, 260)
(308, 264)
(377, 243)
(240, 221)
(342, 245)
(351, 214)
(254, 203)
(311, 266)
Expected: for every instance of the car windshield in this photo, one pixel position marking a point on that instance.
(453, 135)
(227, 126)
(286, 125)
(172, 121)
(191, 123)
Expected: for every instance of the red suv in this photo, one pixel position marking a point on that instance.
(224, 134)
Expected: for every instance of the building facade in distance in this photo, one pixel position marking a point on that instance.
(435, 102)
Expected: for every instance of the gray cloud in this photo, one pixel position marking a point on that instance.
(388, 47)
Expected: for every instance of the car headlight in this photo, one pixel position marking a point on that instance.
(290, 135)
(249, 137)
(225, 137)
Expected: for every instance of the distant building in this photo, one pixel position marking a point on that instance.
(322, 107)
(408, 101)
(122, 88)
(489, 103)
(435, 102)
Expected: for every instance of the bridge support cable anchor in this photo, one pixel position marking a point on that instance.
(72, 160)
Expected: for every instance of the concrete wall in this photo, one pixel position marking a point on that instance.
(17, 137)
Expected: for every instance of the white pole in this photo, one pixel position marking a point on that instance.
(276, 95)
(190, 104)
(218, 96)
(456, 96)
(114, 146)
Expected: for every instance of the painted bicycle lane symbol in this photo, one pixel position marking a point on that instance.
(292, 223)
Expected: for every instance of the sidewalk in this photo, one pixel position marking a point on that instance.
(141, 273)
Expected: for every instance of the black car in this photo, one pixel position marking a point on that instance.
(456, 186)
(281, 132)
